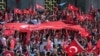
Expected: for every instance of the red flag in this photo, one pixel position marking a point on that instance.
(26, 11)
(74, 48)
(12, 43)
(98, 44)
(89, 17)
(48, 44)
(83, 33)
(72, 8)
(11, 15)
(38, 6)
(96, 50)
(8, 32)
(80, 17)
(64, 46)
(89, 47)
(30, 10)
(17, 11)
(36, 39)
(76, 9)
(8, 53)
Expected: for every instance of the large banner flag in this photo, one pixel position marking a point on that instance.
(74, 48)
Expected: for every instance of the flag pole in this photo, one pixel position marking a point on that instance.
(34, 4)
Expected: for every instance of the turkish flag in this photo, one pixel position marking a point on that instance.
(89, 47)
(26, 11)
(64, 45)
(74, 48)
(84, 33)
(80, 17)
(38, 6)
(89, 17)
(96, 50)
(48, 44)
(8, 53)
(72, 8)
(98, 44)
(17, 11)
(12, 43)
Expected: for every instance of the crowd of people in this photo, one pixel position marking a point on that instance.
(39, 39)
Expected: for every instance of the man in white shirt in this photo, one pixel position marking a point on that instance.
(3, 40)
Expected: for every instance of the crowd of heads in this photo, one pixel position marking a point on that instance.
(39, 39)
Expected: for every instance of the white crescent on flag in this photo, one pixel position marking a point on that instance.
(73, 47)
(8, 54)
(24, 26)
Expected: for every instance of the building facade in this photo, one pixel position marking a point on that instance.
(83, 4)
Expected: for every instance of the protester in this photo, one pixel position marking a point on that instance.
(50, 42)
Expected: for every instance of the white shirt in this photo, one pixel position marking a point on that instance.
(51, 46)
(55, 41)
(42, 47)
(59, 42)
(3, 40)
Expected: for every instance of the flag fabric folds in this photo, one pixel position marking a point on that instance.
(8, 32)
(72, 8)
(17, 11)
(8, 53)
(98, 44)
(38, 6)
(89, 17)
(89, 47)
(74, 48)
(48, 25)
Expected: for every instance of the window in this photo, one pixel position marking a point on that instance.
(2, 4)
(50, 4)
